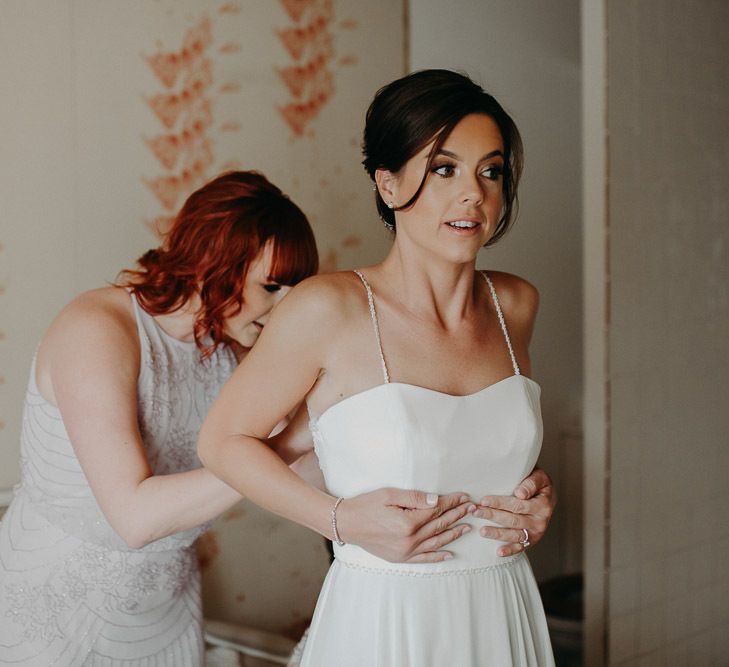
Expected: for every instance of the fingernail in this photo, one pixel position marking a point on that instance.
(431, 499)
(501, 552)
(465, 529)
(471, 509)
(447, 556)
(464, 499)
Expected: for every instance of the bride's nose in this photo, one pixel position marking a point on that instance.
(471, 191)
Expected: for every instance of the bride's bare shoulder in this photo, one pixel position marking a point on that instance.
(329, 297)
(519, 299)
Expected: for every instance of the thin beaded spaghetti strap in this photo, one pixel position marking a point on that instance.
(500, 315)
(375, 324)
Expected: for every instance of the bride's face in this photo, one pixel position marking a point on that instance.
(462, 200)
(260, 295)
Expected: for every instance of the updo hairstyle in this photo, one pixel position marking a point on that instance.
(423, 107)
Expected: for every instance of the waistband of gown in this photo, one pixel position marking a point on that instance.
(355, 557)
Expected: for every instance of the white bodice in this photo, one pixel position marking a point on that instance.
(409, 437)
(401, 435)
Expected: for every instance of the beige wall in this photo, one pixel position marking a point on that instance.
(528, 55)
(664, 255)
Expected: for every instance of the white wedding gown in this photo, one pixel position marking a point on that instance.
(475, 610)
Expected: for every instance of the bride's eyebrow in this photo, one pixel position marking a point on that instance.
(455, 156)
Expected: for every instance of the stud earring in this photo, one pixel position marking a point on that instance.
(390, 205)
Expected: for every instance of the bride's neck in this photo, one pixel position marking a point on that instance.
(423, 284)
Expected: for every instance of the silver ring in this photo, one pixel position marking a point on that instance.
(525, 542)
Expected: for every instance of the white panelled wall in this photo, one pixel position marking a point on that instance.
(657, 341)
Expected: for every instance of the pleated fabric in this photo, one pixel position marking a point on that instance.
(366, 617)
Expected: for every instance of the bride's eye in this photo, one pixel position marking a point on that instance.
(492, 172)
(272, 287)
(444, 170)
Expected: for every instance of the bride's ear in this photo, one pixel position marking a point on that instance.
(387, 185)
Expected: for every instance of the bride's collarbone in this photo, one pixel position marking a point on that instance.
(457, 365)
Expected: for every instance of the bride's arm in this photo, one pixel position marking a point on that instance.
(275, 377)
(271, 381)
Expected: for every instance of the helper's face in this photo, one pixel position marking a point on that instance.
(260, 295)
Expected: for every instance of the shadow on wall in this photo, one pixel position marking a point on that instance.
(562, 597)
(261, 571)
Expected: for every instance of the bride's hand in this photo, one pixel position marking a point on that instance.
(530, 509)
(403, 526)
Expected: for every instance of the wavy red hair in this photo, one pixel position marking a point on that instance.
(220, 230)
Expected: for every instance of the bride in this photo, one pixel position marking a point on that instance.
(415, 372)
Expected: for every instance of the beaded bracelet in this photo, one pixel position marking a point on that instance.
(335, 532)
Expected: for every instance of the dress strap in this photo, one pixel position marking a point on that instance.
(375, 324)
(502, 322)
(139, 316)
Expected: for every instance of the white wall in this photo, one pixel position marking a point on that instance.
(527, 54)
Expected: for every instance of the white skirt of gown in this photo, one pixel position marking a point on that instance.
(369, 617)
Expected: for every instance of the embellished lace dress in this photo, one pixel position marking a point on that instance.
(475, 610)
(71, 591)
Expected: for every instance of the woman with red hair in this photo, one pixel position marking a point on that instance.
(97, 558)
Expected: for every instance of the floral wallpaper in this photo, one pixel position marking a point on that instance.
(119, 110)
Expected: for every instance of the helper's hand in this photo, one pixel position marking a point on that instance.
(530, 509)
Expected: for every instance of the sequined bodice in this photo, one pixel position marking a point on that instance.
(175, 389)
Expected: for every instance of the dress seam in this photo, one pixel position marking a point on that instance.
(441, 573)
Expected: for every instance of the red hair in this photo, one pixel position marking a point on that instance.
(220, 230)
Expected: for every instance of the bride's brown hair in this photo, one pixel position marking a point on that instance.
(423, 107)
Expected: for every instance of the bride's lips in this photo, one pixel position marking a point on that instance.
(463, 226)
(258, 326)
